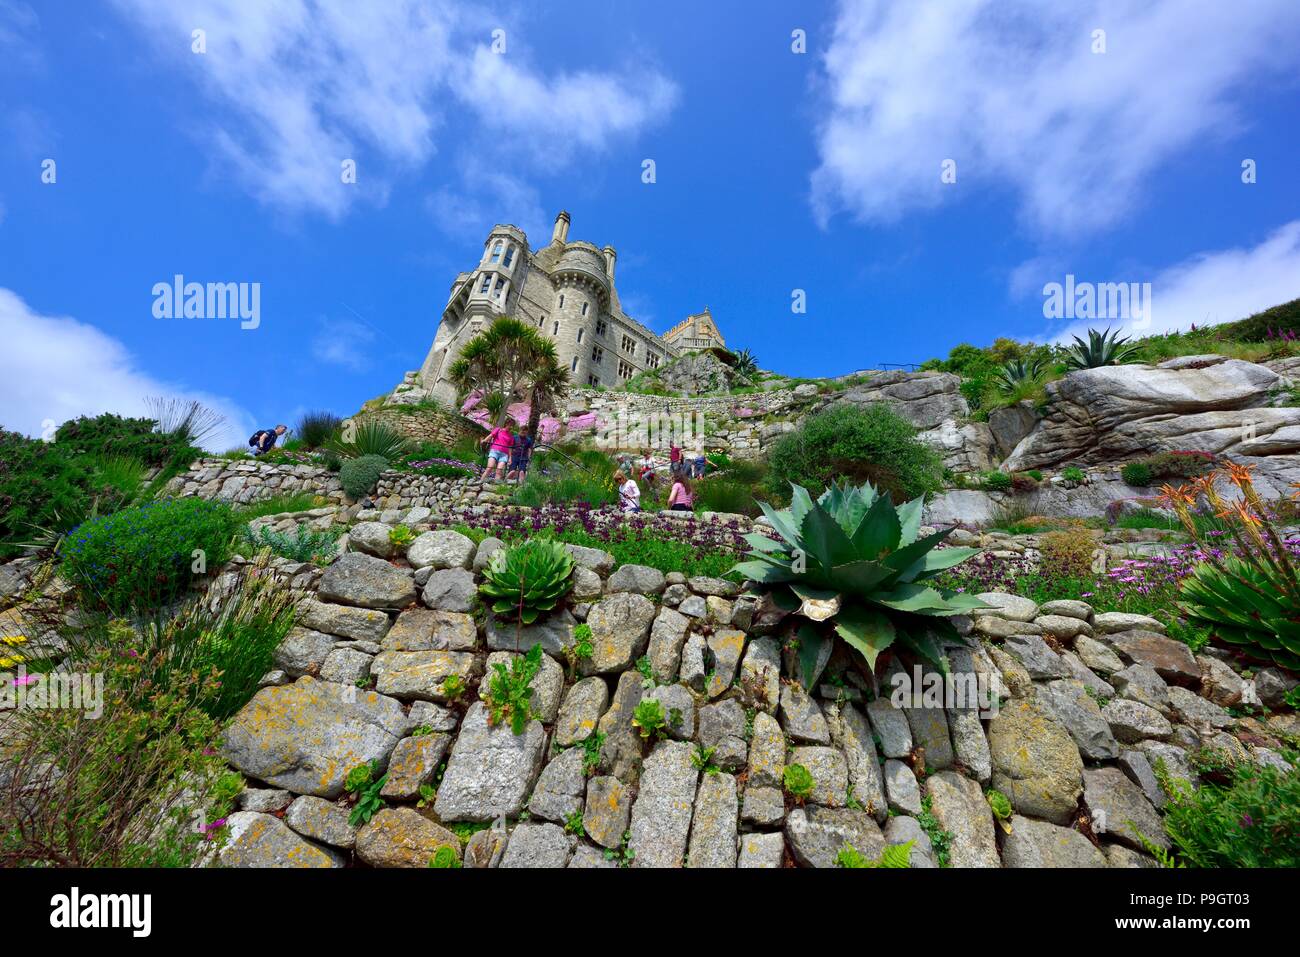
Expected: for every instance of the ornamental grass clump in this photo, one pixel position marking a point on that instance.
(1250, 598)
(851, 565)
(528, 579)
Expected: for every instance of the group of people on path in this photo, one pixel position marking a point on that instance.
(681, 472)
(509, 454)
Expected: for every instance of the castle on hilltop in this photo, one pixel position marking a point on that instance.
(566, 289)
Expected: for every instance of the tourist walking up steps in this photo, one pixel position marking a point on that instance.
(263, 440)
(520, 456)
(500, 442)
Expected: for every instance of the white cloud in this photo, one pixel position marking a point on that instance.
(302, 85)
(344, 343)
(482, 198)
(58, 368)
(1011, 90)
(1214, 287)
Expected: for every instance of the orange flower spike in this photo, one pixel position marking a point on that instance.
(1238, 475)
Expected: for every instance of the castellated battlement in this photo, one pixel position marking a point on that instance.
(567, 290)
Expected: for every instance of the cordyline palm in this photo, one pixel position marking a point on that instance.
(746, 363)
(504, 360)
(548, 385)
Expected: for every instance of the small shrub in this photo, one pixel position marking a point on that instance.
(1034, 474)
(872, 444)
(109, 435)
(300, 545)
(121, 788)
(1254, 821)
(996, 481)
(359, 475)
(445, 857)
(1137, 474)
(528, 579)
(142, 558)
(1067, 553)
(42, 487)
(1072, 474)
(509, 692)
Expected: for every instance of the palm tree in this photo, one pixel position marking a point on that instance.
(746, 364)
(1101, 349)
(508, 361)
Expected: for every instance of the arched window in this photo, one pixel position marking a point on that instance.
(555, 328)
(573, 367)
(496, 252)
(561, 300)
(580, 332)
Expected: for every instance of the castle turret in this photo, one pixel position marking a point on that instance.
(561, 232)
(610, 257)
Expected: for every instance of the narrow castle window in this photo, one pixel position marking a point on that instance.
(584, 308)
(561, 300)
(510, 257)
(555, 329)
(580, 332)
(496, 253)
(487, 284)
(573, 366)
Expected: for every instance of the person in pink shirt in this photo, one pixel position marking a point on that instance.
(499, 442)
(682, 497)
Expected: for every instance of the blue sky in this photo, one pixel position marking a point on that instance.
(776, 171)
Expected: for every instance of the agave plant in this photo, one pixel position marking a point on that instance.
(1015, 374)
(852, 565)
(1251, 599)
(528, 579)
(1102, 349)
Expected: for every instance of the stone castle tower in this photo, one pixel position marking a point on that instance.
(566, 289)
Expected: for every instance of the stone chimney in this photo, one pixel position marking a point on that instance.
(610, 257)
(561, 232)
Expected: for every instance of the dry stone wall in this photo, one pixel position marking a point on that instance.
(1077, 708)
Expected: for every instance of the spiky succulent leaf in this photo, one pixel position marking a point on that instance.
(854, 557)
(869, 631)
